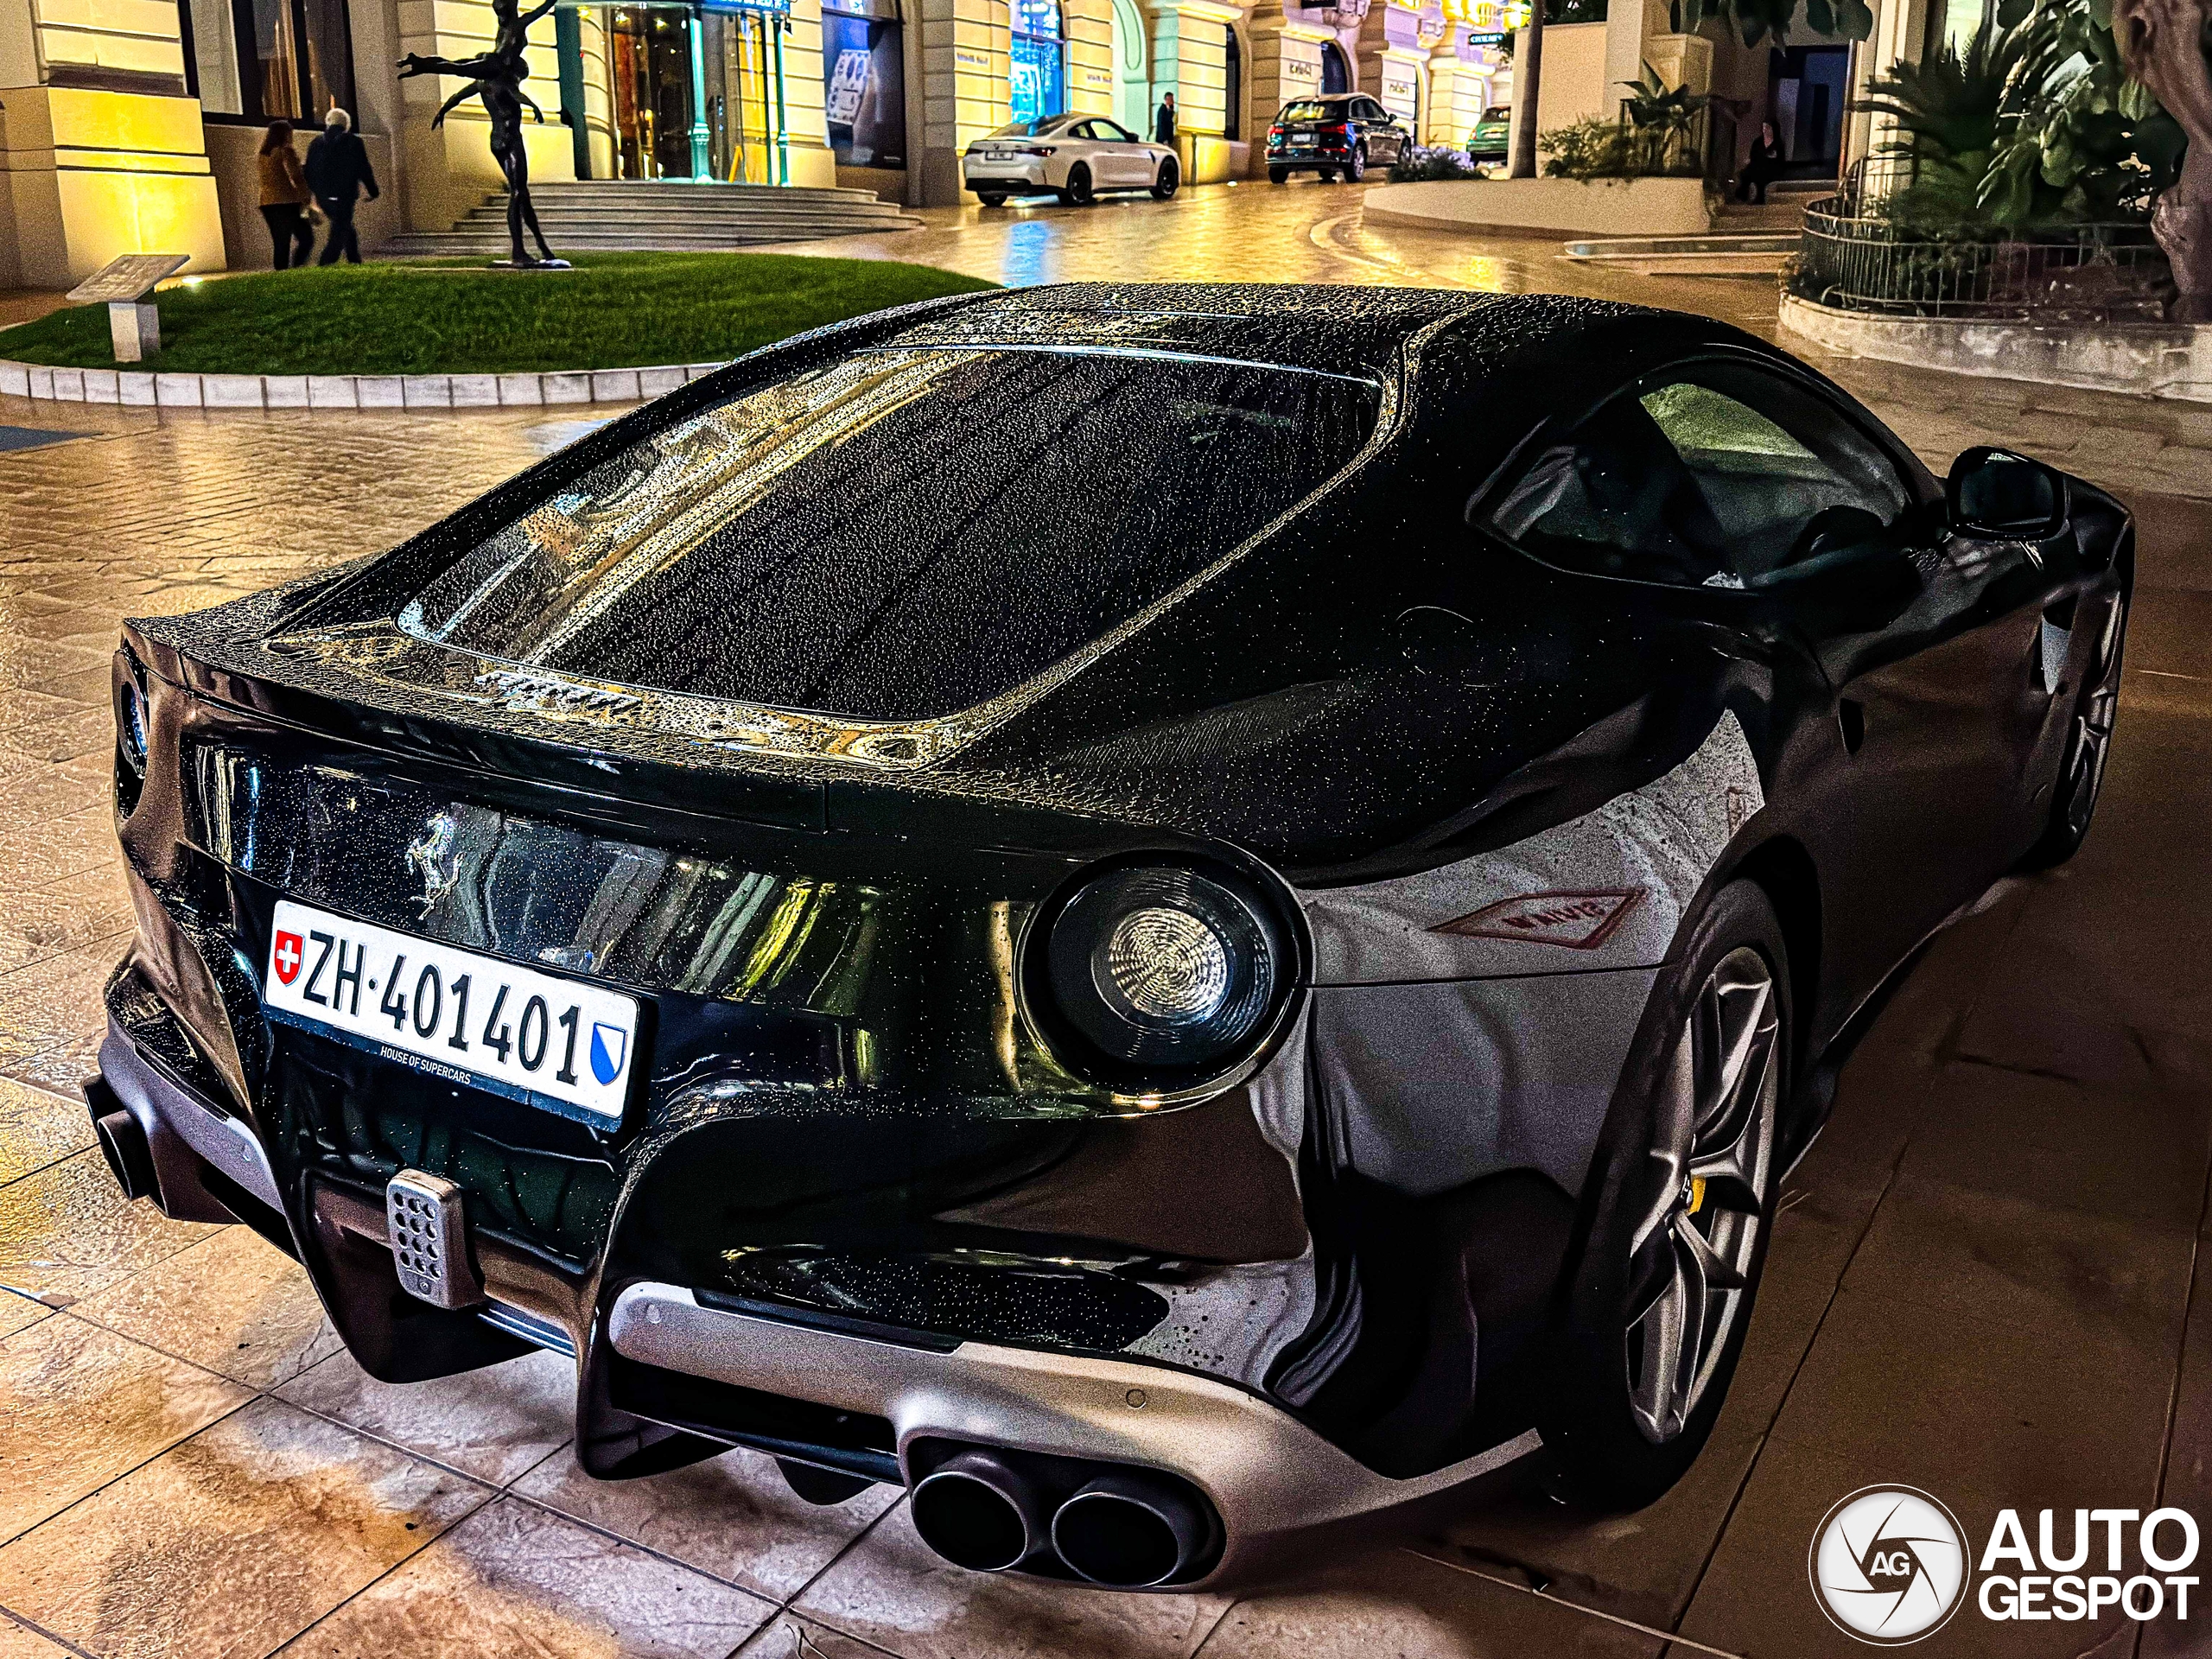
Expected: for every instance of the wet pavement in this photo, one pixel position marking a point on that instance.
(1986, 1279)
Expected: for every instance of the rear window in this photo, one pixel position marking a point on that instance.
(1034, 129)
(1315, 110)
(903, 534)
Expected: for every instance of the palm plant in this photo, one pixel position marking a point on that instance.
(1661, 116)
(1944, 114)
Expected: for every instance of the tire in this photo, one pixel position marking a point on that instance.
(991, 198)
(1278, 175)
(1355, 168)
(1076, 192)
(2081, 773)
(1171, 176)
(1676, 1215)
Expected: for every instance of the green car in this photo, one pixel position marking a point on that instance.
(1493, 133)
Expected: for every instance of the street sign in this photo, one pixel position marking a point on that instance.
(128, 279)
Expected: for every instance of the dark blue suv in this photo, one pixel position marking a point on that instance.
(1338, 133)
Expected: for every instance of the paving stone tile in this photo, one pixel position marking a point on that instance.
(893, 1590)
(2186, 1481)
(789, 1636)
(1988, 1255)
(231, 1543)
(514, 1579)
(18, 1310)
(733, 1517)
(38, 1128)
(233, 1303)
(2139, 1157)
(58, 846)
(495, 1424)
(67, 1231)
(17, 1641)
(80, 1406)
(1396, 1603)
(1926, 1388)
(46, 1003)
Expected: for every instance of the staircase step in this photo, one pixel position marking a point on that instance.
(666, 215)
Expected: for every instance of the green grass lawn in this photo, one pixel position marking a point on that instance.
(615, 310)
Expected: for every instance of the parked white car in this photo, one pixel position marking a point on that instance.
(1073, 156)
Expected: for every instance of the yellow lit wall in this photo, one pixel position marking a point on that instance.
(93, 174)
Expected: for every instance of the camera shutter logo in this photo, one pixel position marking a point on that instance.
(1889, 1564)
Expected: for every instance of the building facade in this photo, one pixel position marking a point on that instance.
(132, 125)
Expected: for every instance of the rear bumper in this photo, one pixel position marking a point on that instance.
(1269, 1476)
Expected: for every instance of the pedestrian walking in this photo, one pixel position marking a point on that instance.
(1163, 121)
(338, 171)
(284, 199)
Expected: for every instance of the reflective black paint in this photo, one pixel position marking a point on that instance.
(846, 1116)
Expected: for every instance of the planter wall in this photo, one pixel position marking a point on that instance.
(1601, 208)
(169, 391)
(2148, 359)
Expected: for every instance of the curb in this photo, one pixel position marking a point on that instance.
(2166, 360)
(168, 390)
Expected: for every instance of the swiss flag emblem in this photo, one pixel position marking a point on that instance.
(287, 957)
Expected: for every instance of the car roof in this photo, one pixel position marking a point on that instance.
(1325, 329)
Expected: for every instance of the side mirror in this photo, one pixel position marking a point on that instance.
(1996, 494)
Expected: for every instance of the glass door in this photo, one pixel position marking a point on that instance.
(649, 58)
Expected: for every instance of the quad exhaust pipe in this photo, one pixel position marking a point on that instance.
(982, 1510)
(1127, 1528)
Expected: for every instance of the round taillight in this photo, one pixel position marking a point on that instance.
(1158, 978)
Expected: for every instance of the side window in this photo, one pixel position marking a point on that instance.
(1718, 474)
(1112, 132)
(1082, 130)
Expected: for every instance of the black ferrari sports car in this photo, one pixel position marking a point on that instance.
(1169, 915)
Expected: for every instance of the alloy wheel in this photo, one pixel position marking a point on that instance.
(1691, 1261)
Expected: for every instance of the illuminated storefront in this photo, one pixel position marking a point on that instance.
(138, 132)
(693, 91)
(864, 83)
(1037, 80)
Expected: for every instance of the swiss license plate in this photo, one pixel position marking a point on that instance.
(1302, 138)
(559, 1044)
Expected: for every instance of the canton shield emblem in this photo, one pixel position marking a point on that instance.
(287, 955)
(610, 1046)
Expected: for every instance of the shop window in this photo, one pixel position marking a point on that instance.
(260, 60)
(864, 82)
(1040, 85)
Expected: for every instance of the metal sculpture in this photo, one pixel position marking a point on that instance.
(496, 78)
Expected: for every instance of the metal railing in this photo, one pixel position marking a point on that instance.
(1857, 256)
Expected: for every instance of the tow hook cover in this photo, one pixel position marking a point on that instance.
(428, 1222)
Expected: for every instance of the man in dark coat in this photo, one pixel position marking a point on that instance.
(1163, 122)
(338, 171)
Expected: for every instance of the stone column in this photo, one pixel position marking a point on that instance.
(966, 48)
(1900, 35)
(806, 132)
(1190, 58)
(91, 174)
(1088, 28)
(1394, 43)
(1285, 64)
(101, 153)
